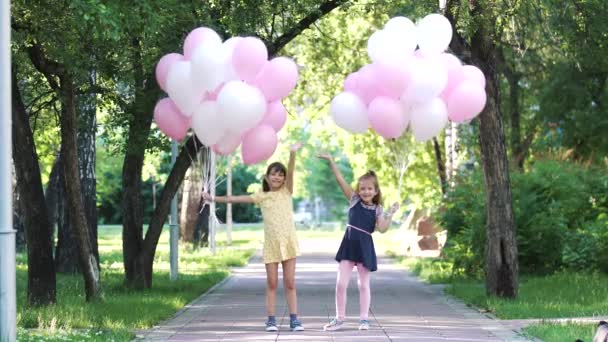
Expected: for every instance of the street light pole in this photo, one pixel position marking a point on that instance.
(8, 292)
(173, 227)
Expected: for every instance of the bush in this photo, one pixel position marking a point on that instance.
(560, 212)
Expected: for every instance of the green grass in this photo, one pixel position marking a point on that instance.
(562, 295)
(562, 332)
(123, 310)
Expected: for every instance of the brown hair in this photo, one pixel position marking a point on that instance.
(372, 175)
(274, 167)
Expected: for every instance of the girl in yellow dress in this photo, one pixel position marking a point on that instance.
(280, 241)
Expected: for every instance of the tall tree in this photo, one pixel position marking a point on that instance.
(287, 21)
(501, 267)
(69, 151)
(41, 270)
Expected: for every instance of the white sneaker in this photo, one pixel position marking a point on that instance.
(334, 325)
(271, 326)
(296, 325)
(363, 324)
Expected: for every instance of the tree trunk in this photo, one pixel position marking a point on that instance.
(66, 251)
(201, 233)
(52, 194)
(41, 285)
(501, 247)
(176, 176)
(87, 129)
(78, 219)
(515, 116)
(146, 94)
(501, 268)
(440, 166)
(190, 205)
(18, 211)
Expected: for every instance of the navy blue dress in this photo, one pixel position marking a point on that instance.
(358, 246)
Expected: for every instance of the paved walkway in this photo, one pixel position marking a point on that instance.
(403, 308)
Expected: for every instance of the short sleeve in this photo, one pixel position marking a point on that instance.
(354, 199)
(258, 196)
(379, 210)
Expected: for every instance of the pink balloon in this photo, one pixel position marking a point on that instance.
(351, 82)
(197, 37)
(227, 144)
(386, 117)
(276, 116)
(368, 86)
(391, 79)
(248, 58)
(473, 73)
(259, 144)
(466, 101)
(455, 73)
(277, 78)
(170, 120)
(163, 66)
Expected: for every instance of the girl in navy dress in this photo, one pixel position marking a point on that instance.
(357, 248)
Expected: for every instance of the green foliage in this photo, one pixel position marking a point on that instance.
(560, 211)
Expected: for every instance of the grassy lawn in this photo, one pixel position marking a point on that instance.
(562, 295)
(122, 310)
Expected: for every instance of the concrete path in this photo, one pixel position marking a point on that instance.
(403, 308)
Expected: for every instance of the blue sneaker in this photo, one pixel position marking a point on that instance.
(363, 324)
(271, 326)
(296, 325)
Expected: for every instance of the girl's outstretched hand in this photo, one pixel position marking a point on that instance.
(325, 156)
(295, 147)
(207, 197)
(394, 208)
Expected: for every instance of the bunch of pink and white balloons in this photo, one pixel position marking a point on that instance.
(228, 92)
(410, 82)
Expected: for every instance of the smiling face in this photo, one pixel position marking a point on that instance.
(367, 189)
(275, 176)
(276, 179)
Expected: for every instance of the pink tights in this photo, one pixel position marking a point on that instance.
(344, 272)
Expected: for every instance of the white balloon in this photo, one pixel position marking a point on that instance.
(207, 124)
(428, 119)
(241, 105)
(389, 47)
(405, 29)
(434, 33)
(208, 67)
(228, 47)
(400, 25)
(349, 112)
(181, 89)
(428, 79)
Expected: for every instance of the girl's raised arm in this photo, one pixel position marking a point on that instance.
(291, 165)
(346, 189)
(228, 199)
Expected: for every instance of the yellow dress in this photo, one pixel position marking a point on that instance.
(280, 240)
